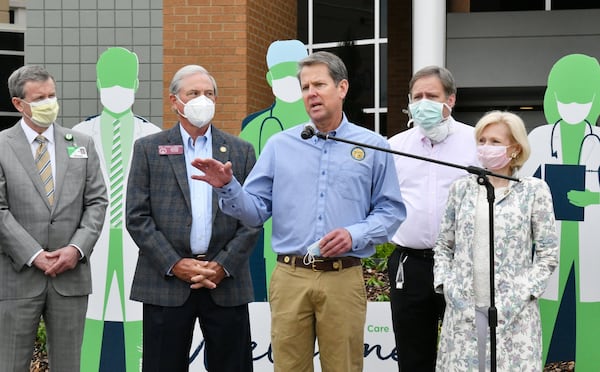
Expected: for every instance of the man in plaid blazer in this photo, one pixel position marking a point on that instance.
(193, 259)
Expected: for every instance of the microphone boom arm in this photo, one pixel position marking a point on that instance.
(470, 169)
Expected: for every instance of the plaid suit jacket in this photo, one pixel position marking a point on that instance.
(158, 217)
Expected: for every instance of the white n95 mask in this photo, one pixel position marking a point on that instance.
(199, 111)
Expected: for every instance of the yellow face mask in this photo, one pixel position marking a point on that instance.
(44, 112)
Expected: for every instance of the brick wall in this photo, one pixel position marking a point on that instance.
(230, 39)
(4, 15)
(267, 21)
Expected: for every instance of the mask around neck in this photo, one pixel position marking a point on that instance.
(437, 133)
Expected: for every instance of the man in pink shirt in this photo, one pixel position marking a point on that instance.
(416, 308)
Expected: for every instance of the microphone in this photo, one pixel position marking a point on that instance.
(308, 131)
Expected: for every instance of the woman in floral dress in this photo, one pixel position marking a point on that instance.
(525, 255)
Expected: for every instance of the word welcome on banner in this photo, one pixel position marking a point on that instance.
(379, 351)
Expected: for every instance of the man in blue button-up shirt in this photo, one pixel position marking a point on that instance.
(344, 198)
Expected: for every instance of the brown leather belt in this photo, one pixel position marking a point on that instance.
(321, 263)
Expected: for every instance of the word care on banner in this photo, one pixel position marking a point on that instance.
(379, 352)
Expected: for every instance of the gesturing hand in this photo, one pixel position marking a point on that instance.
(215, 174)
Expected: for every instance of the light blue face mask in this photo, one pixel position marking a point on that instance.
(427, 113)
(311, 252)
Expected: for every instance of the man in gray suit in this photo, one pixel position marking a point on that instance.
(193, 259)
(52, 205)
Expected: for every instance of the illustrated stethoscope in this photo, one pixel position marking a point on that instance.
(591, 134)
(554, 153)
(262, 124)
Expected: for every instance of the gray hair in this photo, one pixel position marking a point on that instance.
(442, 73)
(335, 65)
(186, 71)
(17, 80)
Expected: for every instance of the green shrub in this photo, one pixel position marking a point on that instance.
(41, 336)
(376, 278)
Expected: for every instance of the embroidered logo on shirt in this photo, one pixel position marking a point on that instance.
(358, 153)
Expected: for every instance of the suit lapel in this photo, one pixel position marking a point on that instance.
(220, 151)
(178, 164)
(62, 159)
(22, 149)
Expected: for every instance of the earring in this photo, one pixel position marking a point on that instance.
(514, 155)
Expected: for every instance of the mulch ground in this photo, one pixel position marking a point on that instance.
(39, 362)
(560, 367)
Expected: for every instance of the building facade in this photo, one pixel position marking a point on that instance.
(500, 52)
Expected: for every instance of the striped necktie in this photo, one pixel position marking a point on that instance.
(116, 177)
(42, 162)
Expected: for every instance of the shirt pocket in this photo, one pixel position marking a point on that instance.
(353, 180)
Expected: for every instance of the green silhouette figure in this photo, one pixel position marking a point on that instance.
(287, 111)
(566, 154)
(112, 338)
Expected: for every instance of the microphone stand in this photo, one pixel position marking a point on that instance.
(482, 179)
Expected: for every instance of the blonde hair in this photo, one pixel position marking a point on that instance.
(516, 128)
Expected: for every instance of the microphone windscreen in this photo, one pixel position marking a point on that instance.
(308, 131)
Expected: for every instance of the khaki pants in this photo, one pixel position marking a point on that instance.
(328, 306)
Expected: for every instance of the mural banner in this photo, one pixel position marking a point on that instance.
(566, 154)
(380, 348)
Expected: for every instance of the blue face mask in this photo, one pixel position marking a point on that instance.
(427, 113)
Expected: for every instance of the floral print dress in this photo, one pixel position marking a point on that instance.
(525, 254)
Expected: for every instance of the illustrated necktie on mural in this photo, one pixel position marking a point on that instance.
(116, 177)
(42, 161)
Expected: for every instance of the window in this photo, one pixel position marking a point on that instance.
(356, 31)
(12, 56)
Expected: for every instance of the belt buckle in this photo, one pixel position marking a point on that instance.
(313, 264)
